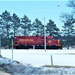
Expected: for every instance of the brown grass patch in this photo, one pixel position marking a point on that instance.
(58, 66)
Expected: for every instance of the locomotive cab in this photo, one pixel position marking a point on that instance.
(53, 43)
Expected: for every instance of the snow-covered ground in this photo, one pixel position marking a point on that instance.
(41, 57)
(17, 68)
(25, 61)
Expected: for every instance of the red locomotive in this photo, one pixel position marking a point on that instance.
(26, 42)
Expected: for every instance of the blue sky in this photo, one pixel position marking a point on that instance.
(37, 9)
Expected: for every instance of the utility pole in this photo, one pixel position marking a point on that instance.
(44, 35)
(0, 45)
(12, 49)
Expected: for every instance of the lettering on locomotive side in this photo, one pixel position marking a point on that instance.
(25, 40)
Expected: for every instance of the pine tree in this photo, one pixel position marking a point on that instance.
(52, 29)
(15, 24)
(6, 22)
(68, 32)
(26, 25)
(38, 27)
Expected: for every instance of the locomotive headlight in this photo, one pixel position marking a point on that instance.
(49, 41)
(58, 42)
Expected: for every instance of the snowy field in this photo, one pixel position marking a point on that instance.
(41, 57)
(17, 68)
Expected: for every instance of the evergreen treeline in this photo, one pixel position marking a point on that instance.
(13, 25)
(68, 29)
